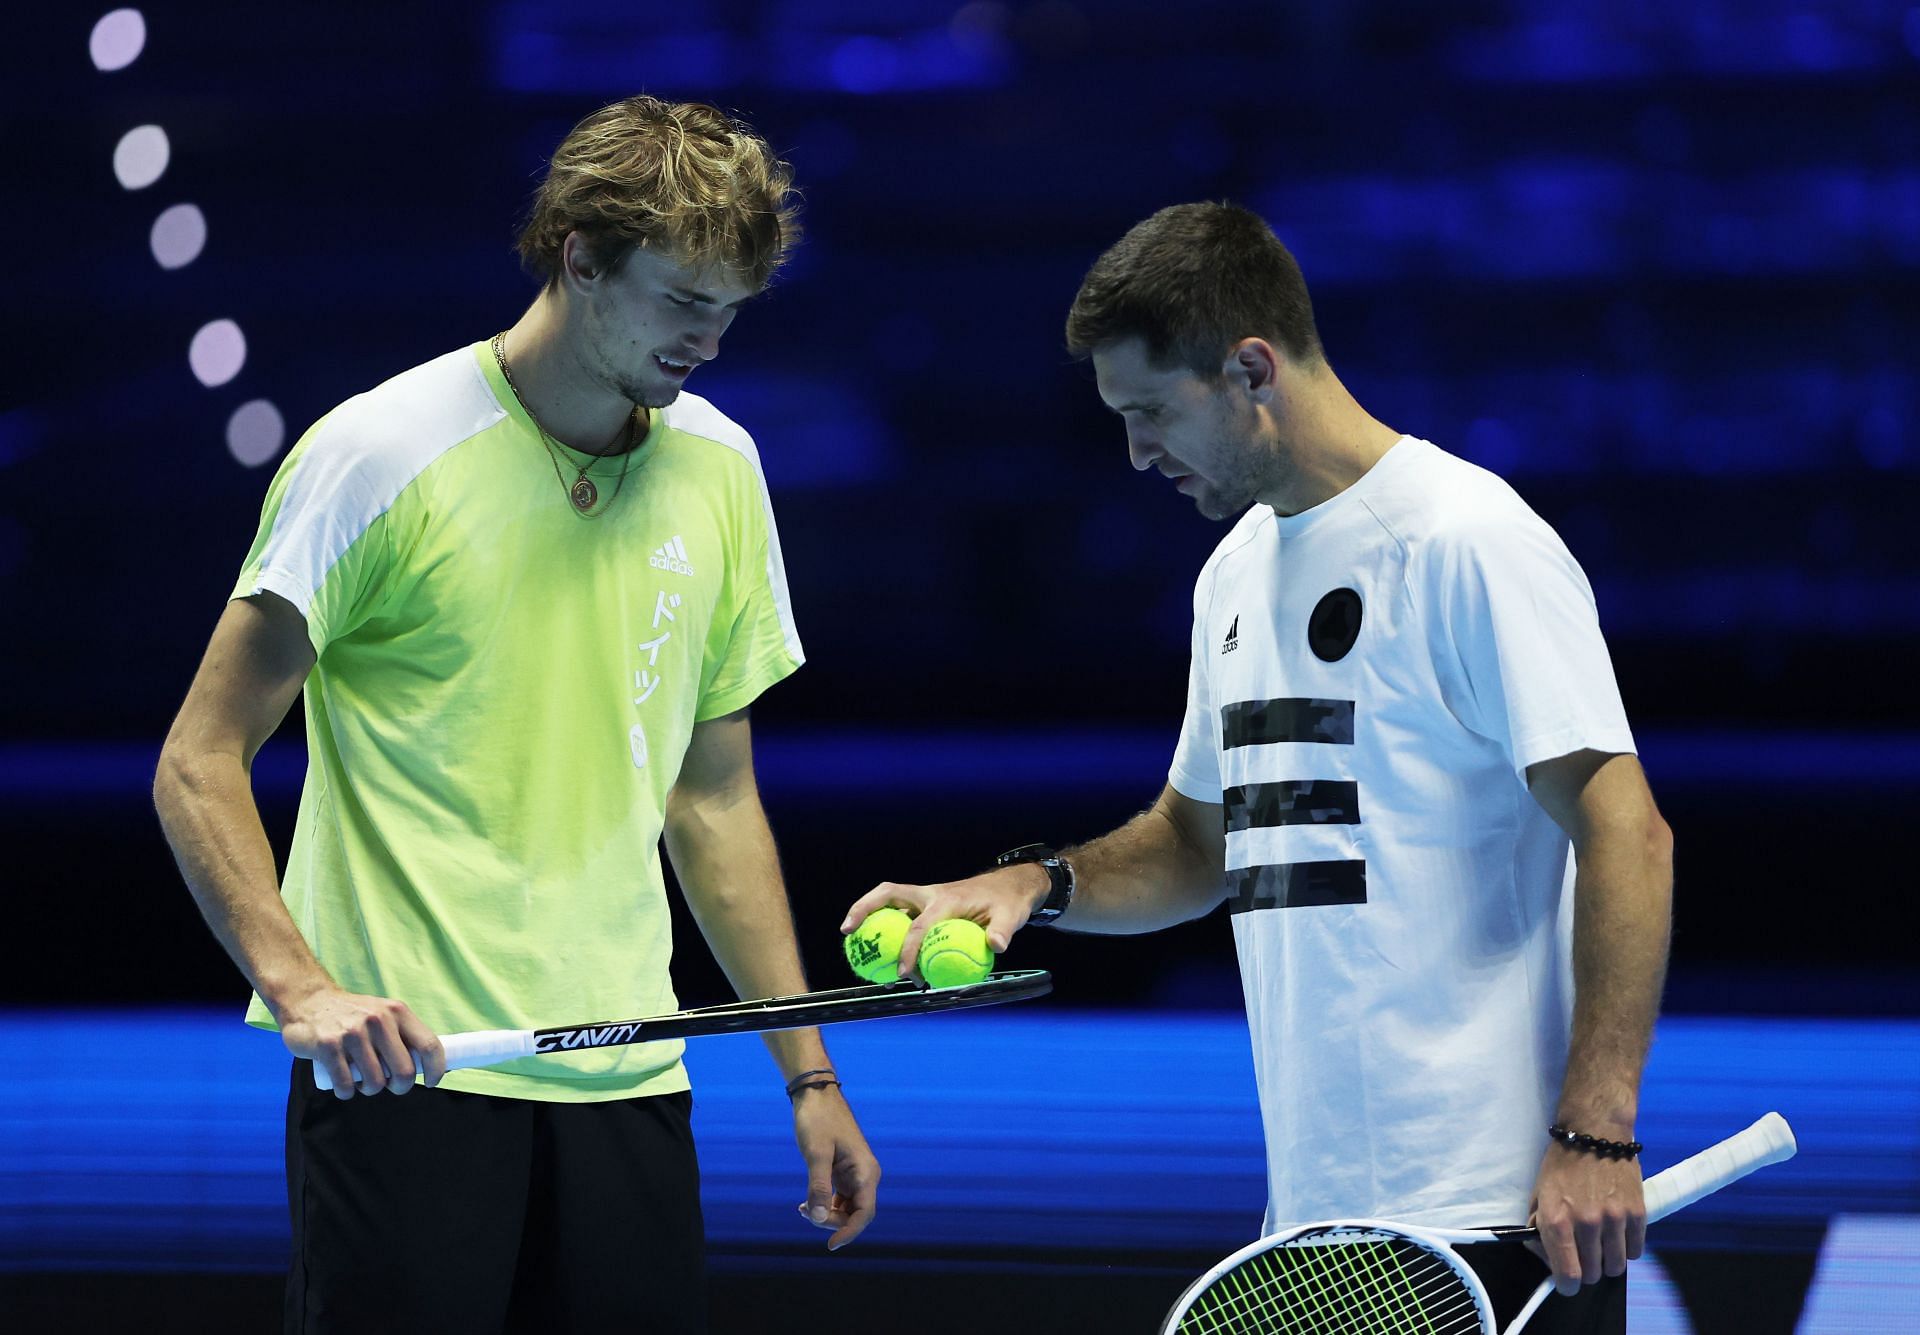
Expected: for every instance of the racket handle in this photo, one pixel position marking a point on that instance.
(1769, 1140)
(478, 1047)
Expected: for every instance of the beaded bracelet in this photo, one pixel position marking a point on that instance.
(1605, 1149)
(799, 1082)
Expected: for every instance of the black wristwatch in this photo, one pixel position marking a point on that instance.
(1059, 875)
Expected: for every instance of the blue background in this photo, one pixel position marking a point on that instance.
(1657, 264)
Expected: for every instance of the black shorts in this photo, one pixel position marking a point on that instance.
(1511, 1273)
(440, 1211)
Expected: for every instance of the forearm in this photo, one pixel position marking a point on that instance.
(207, 812)
(1623, 898)
(1144, 876)
(723, 854)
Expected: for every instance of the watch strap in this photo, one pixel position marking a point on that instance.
(1059, 876)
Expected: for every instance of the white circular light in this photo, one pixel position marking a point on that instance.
(179, 235)
(118, 39)
(218, 352)
(141, 156)
(255, 432)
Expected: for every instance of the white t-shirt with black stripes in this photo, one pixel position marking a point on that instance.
(1371, 679)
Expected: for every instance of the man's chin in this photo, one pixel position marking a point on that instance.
(1212, 505)
(651, 396)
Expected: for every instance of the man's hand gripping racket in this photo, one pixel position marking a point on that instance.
(488, 1047)
(1367, 1277)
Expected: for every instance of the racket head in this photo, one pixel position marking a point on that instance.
(1352, 1276)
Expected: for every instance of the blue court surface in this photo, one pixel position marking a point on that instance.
(145, 1141)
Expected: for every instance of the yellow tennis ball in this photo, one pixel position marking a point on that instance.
(873, 948)
(955, 952)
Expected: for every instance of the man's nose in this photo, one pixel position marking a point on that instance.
(1142, 450)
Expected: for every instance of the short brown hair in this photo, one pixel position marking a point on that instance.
(1192, 281)
(682, 177)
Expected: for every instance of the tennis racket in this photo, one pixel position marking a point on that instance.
(1365, 1277)
(487, 1047)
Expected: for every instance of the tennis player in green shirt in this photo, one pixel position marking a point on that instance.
(528, 591)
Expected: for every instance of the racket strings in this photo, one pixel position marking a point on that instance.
(1320, 1286)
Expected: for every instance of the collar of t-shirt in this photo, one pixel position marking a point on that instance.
(1399, 455)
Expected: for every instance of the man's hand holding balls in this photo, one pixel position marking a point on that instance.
(952, 953)
(962, 924)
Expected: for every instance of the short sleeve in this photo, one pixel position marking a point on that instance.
(752, 641)
(1519, 642)
(325, 537)
(1195, 772)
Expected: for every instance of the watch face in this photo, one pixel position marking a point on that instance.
(1059, 879)
(1062, 889)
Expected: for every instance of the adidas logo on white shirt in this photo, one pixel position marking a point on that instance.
(672, 555)
(1233, 636)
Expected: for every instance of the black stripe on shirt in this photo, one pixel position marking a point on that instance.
(1293, 802)
(1258, 722)
(1295, 885)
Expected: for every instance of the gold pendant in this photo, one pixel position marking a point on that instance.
(584, 495)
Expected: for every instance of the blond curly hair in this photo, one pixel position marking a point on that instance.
(680, 177)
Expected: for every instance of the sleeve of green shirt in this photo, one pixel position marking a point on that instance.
(325, 542)
(751, 643)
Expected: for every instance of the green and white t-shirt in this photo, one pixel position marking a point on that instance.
(503, 695)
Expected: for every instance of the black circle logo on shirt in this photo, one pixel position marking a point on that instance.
(1334, 626)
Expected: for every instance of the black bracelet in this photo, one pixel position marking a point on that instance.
(1584, 1144)
(813, 1084)
(798, 1083)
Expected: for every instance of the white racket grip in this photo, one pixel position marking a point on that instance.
(484, 1047)
(1769, 1140)
(477, 1047)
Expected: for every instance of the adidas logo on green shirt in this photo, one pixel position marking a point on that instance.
(672, 555)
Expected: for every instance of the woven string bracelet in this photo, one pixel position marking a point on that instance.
(1585, 1144)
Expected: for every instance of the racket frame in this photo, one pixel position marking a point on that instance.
(1768, 1141)
(1439, 1242)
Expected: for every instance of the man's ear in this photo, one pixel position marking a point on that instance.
(1254, 366)
(578, 267)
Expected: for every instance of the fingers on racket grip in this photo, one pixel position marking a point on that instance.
(482, 1047)
(324, 1079)
(1768, 1141)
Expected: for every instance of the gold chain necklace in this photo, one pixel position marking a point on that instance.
(582, 493)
